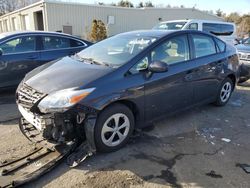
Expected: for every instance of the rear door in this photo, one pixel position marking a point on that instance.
(19, 56)
(54, 47)
(208, 60)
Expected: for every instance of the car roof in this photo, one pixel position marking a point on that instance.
(197, 20)
(17, 33)
(161, 33)
(148, 33)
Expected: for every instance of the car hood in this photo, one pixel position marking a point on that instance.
(243, 47)
(64, 73)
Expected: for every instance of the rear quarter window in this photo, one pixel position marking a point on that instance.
(221, 45)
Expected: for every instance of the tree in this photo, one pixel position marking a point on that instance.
(11, 5)
(149, 4)
(125, 3)
(98, 31)
(233, 17)
(94, 28)
(140, 5)
(244, 26)
(219, 12)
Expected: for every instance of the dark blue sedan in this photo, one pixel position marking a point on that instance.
(20, 52)
(124, 82)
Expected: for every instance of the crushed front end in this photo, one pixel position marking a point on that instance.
(51, 129)
(55, 136)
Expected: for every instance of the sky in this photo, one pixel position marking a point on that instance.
(227, 6)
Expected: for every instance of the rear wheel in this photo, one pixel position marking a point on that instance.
(113, 128)
(225, 92)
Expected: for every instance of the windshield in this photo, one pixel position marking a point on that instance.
(116, 50)
(246, 41)
(170, 26)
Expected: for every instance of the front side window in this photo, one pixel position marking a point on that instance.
(172, 51)
(19, 45)
(116, 50)
(204, 45)
(53, 42)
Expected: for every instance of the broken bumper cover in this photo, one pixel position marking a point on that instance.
(27, 168)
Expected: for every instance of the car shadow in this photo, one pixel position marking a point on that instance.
(150, 155)
(153, 153)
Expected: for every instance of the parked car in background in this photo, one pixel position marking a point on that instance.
(244, 56)
(225, 30)
(20, 52)
(129, 80)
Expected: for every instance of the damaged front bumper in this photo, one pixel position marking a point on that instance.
(74, 125)
(56, 136)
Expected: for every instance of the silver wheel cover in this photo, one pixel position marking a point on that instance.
(115, 129)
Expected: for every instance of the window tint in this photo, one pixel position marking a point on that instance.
(51, 42)
(193, 26)
(172, 51)
(221, 45)
(75, 43)
(204, 45)
(19, 45)
(218, 29)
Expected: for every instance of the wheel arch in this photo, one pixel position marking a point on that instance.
(233, 78)
(130, 104)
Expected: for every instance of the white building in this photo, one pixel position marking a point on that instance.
(76, 18)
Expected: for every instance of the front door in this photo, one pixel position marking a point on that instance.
(19, 56)
(168, 92)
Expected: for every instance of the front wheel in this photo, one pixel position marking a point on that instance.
(113, 128)
(225, 92)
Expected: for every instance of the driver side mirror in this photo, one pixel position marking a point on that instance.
(158, 67)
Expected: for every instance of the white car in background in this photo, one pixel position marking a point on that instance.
(225, 30)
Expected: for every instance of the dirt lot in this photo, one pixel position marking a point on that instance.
(197, 148)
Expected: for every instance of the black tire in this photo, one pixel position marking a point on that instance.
(219, 100)
(103, 117)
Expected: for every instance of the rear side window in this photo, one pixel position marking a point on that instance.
(53, 42)
(76, 43)
(221, 45)
(204, 45)
(218, 29)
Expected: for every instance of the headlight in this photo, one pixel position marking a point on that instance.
(62, 100)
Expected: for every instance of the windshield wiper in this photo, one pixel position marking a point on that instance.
(91, 61)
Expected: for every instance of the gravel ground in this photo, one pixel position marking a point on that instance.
(201, 147)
